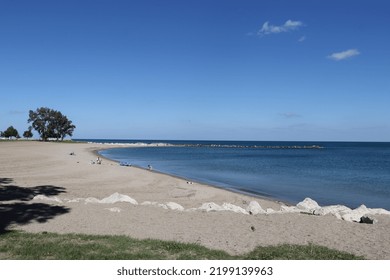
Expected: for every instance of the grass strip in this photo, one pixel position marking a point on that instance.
(18, 245)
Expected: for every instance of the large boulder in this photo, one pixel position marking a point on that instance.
(355, 215)
(379, 211)
(254, 208)
(234, 208)
(308, 205)
(211, 206)
(117, 197)
(334, 210)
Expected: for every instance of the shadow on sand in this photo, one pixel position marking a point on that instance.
(14, 209)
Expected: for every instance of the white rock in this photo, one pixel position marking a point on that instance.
(234, 208)
(47, 198)
(289, 209)
(333, 210)
(254, 208)
(191, 209)
(308, 205)
(92, 200)
(210, 206)
(175, 206)
(338, 216)
(161, 205)
(114, 198)
(344, 213)
(75, 200)
(270, 211)
(114, 210)
(155, 204)
(379, 211)
(146, 203)
(362, 208)
(355, 215)
(351, 217)
(117, 197)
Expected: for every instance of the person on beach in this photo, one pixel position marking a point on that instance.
(150, 167)
(98, 161)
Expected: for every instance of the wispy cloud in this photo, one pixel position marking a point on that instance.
(303, 38)
(344, 55)
(289, 25)
(290, 115)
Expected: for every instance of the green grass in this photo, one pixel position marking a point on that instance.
(49, 246)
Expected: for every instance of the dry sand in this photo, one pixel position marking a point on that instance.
(47, 170)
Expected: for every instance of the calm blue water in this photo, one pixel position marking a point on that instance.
(340, 173)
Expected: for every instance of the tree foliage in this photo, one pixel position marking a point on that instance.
(28, 133)
(11, 132)
(50, 123)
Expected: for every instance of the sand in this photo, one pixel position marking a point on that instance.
(45, 188)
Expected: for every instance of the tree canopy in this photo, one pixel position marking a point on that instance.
(50, 123)
(11, 132)
(28, 133)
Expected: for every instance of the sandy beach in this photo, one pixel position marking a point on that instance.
(54, 187)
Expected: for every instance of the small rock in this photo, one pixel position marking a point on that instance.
(114, 210)
(175, 206)
(253, 228)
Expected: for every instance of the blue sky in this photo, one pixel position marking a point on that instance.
(204, 69)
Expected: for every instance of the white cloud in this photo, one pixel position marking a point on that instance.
(344, 55)
(303, 38)
(275, 29)
(290, 115)
(292, 24)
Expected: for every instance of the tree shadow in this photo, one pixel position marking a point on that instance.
(24, 213)
(4, 181)
(12, 192)
(19, 212)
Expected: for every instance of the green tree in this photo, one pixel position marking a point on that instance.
(40, 120)
(11, 132)
(50, 123)
(61, 126)
(28, 133)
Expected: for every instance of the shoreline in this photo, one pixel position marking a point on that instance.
(263, 189)
(191, 181)
(45, 188)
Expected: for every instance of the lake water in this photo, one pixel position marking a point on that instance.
(348, 173)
